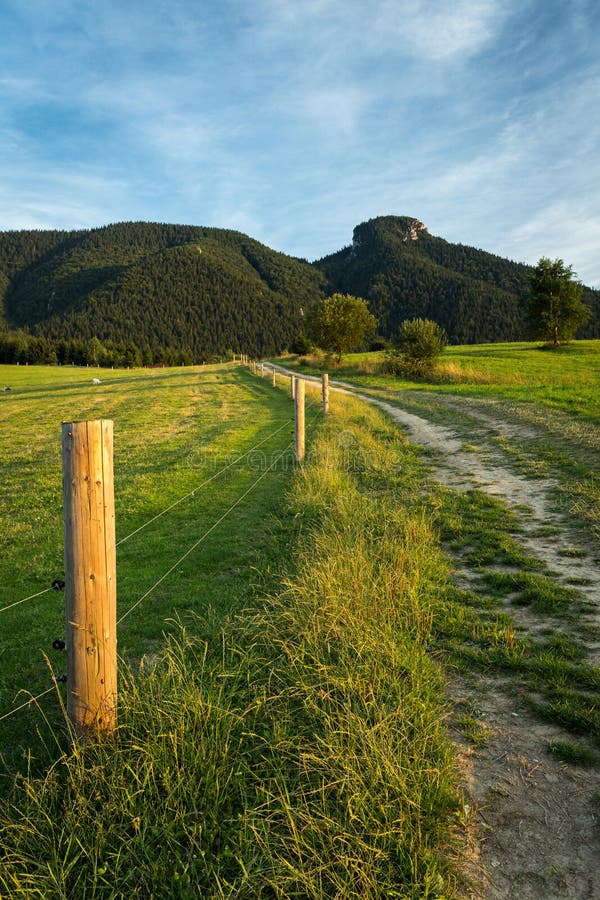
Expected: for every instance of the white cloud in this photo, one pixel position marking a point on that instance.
(555, 231)
(435, 30)
(431, 30)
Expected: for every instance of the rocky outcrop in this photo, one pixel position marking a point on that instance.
(412, 230)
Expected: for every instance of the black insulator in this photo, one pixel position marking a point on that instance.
(58, 584)
(58, 644)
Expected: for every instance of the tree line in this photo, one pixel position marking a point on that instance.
(22, 348)
(171, 294)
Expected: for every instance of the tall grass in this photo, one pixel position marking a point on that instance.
(294, 749)
(174, 430)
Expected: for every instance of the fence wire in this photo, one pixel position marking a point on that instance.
(204, 536)
(27, 703)
(25, 599)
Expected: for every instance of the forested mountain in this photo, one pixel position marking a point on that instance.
(139, 292)
(152, 291)
(404, 272)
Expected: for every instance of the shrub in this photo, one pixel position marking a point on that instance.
(301, 345)
(419, 344)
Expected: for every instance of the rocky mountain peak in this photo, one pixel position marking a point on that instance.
(412, 229)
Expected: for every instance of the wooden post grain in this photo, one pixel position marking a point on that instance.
(325, 380)
(90, 576)
(299, 419)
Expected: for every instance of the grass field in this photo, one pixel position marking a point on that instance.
(555, 394)
(289, 740)
(287, 731)
(567, 379)
(174, 429)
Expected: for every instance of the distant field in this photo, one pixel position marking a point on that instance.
(174, 428)
(567, 379)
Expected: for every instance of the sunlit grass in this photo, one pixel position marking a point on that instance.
(292, 747)
(174, 430)
(567, 379)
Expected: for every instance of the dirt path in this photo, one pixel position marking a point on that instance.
(536, 818)
(533, 821)
(482, 470)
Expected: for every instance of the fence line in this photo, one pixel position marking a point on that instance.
(310, 404)
(168, 508)
(24, 600)
(166, 574)
(208, 480)
(203, 537)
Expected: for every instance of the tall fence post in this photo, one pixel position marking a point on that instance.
(274, 376)
(293, 380)
(299, 419)
(325, 387)
(90, 575)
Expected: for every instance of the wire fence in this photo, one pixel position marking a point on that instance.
(25, 599)
(313, 410)
(202, 538)
(27, 703)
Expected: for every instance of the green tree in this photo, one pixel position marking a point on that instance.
(341, 322)
(555, 308)
(301, 345)
(421, 339)
(419, 343)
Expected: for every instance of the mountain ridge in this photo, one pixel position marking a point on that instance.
(404, 271)
(187, 293)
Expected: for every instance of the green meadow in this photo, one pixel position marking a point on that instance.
(566, 379)
(284, 720)
(175, 429)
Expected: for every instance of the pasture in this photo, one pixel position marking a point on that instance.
(567, 379)
(174, 430)
(324, 698)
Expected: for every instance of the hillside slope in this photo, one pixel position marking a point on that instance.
(403, 271)
(202, 290)
(142, 292)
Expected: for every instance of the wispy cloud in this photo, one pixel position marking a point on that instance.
(297, 120)
(553, 231)
(436, 31)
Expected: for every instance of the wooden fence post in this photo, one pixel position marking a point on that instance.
(262, 370)
(90, 576)
(293, 386)
(274, 376)
(300, 419)
(325, 381)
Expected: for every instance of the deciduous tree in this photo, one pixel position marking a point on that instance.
(341, 322)
(555, 309)
(420, 342)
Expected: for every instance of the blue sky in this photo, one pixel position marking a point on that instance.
(295, 120)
